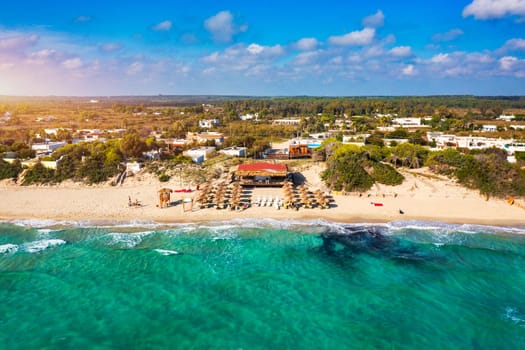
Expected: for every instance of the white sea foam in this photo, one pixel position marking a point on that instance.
(129, 240)
(166, 252)
(44, 232)
(8, 248)
(34, 223)
(512, 314)
(37, 246)
(308, 226)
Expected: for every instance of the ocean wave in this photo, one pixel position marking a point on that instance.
(37, 246)
(8, 248)
(459, 228)
(440, 230)
(44, 232)
(37, 223)
(126, 240)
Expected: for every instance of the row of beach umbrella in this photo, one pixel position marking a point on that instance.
(304, 197)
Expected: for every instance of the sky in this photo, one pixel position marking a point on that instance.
(267, 48)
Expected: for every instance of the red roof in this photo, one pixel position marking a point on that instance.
(269, 167)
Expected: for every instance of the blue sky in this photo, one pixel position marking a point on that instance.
(322, 48)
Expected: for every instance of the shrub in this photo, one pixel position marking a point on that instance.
(386, 174)
(9, 171)
(39, 174)
(164, 178)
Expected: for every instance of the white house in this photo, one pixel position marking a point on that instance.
(234, 151)
(343, 122)
(517, 127)
(353, 140)
(204, 137)
(388, 115)
(54, 131)
(249, 116)
(46, 147)
(295, 121)
(407, 122)
(507, 118)
(473, 142)
(208, 123)
(442, 140)
(199, 154)
(133, 167)
(489, 128)
(514, 147)
(320, 135)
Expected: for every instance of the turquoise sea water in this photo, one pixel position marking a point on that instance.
(261, 285)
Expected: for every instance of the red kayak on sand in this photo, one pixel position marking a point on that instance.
(186, 190)
(378, 204)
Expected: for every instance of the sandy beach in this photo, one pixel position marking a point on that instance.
(422, 196)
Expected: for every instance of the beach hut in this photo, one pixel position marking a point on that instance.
(262, 174)
(164, 197)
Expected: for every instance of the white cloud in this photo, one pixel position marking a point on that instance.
(72, 63)
(514, 45)
(373, 51)
(211, 58)
(441, 58)
(409, 70)
(306, 44)
(45, 53)
(336, 60)
(255, 49)
(507, 62)
(18, 42)
(477, 57)
(135, 68)
(356, 38)
(448, 36)
(41, 56)
(374, 21)
(489, 9)
(401, 51)
(241, 57)
(162, 26)
(513, 66)
(222, 28)
(306, 58)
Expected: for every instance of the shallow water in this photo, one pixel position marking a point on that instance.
(263, 284)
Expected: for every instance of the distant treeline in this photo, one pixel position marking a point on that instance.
(301, 104)
(404, 106)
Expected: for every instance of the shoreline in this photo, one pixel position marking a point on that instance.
(420, 198)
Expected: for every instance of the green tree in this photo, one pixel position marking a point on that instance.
(10, 171)
(132, 145)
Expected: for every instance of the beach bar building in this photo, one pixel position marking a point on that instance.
(262, 174)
